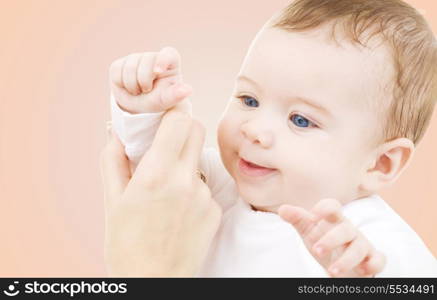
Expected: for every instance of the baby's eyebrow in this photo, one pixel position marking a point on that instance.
(313, 104)
(307, 101)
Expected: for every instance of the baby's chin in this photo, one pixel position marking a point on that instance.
(260, 199)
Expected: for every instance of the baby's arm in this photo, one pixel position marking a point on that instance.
(333, 240)
(143, 87)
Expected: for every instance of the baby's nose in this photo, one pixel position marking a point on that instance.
(257, 134)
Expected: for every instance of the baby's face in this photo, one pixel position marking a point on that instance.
(306, 110)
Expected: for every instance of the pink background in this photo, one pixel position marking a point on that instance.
(54, 59)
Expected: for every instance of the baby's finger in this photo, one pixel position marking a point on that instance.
(145, 74)
(193, 147)
(373, 264)
(341, 234)
(168, 59)
(328, 209)
(169, 140)
(116, 72)
(354, 254)
(130, 81)
(316, 233)
(301, 219)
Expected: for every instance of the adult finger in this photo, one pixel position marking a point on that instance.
(174, 94)
(114, 169)
(168, 59)
(329, 210)
(301, 219)
(169, 140)
(193, 146)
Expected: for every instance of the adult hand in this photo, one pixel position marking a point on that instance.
(161, 220)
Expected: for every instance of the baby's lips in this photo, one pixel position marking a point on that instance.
(257, 165)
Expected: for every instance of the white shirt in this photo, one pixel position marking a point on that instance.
(260, 244)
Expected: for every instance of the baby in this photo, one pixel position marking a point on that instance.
(329, 103)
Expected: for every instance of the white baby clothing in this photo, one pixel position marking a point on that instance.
(260, 244)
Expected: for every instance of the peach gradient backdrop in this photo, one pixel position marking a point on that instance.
(54, 58)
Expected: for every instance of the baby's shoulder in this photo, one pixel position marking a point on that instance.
(405, 251)
(373, 211)
(375, 216)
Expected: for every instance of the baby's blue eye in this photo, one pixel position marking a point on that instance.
(300, 121)
(250, 101)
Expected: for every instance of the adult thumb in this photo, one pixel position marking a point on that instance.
(115, 169)
(177, 95)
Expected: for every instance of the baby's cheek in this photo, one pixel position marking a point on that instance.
(228, 129)
(227, 143)
(223, 131)
(332, 179)
(302, 189)
(308, 180)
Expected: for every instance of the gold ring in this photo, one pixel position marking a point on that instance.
(108, 125)
(201, 175)
(108, 130)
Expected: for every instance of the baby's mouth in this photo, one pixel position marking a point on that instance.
(250, 164)
(253, 170)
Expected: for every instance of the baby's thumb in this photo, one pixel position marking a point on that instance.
(174, 95)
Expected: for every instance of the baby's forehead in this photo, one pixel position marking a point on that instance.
(310, 64)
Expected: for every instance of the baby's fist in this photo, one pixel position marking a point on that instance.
(149, 82)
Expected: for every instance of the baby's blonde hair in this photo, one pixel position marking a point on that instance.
(411, 42)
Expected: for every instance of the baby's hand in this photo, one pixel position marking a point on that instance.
(333, 240)
(149, 82)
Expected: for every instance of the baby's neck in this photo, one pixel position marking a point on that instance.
(261, 209)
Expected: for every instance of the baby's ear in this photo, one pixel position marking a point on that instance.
(389, 162)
